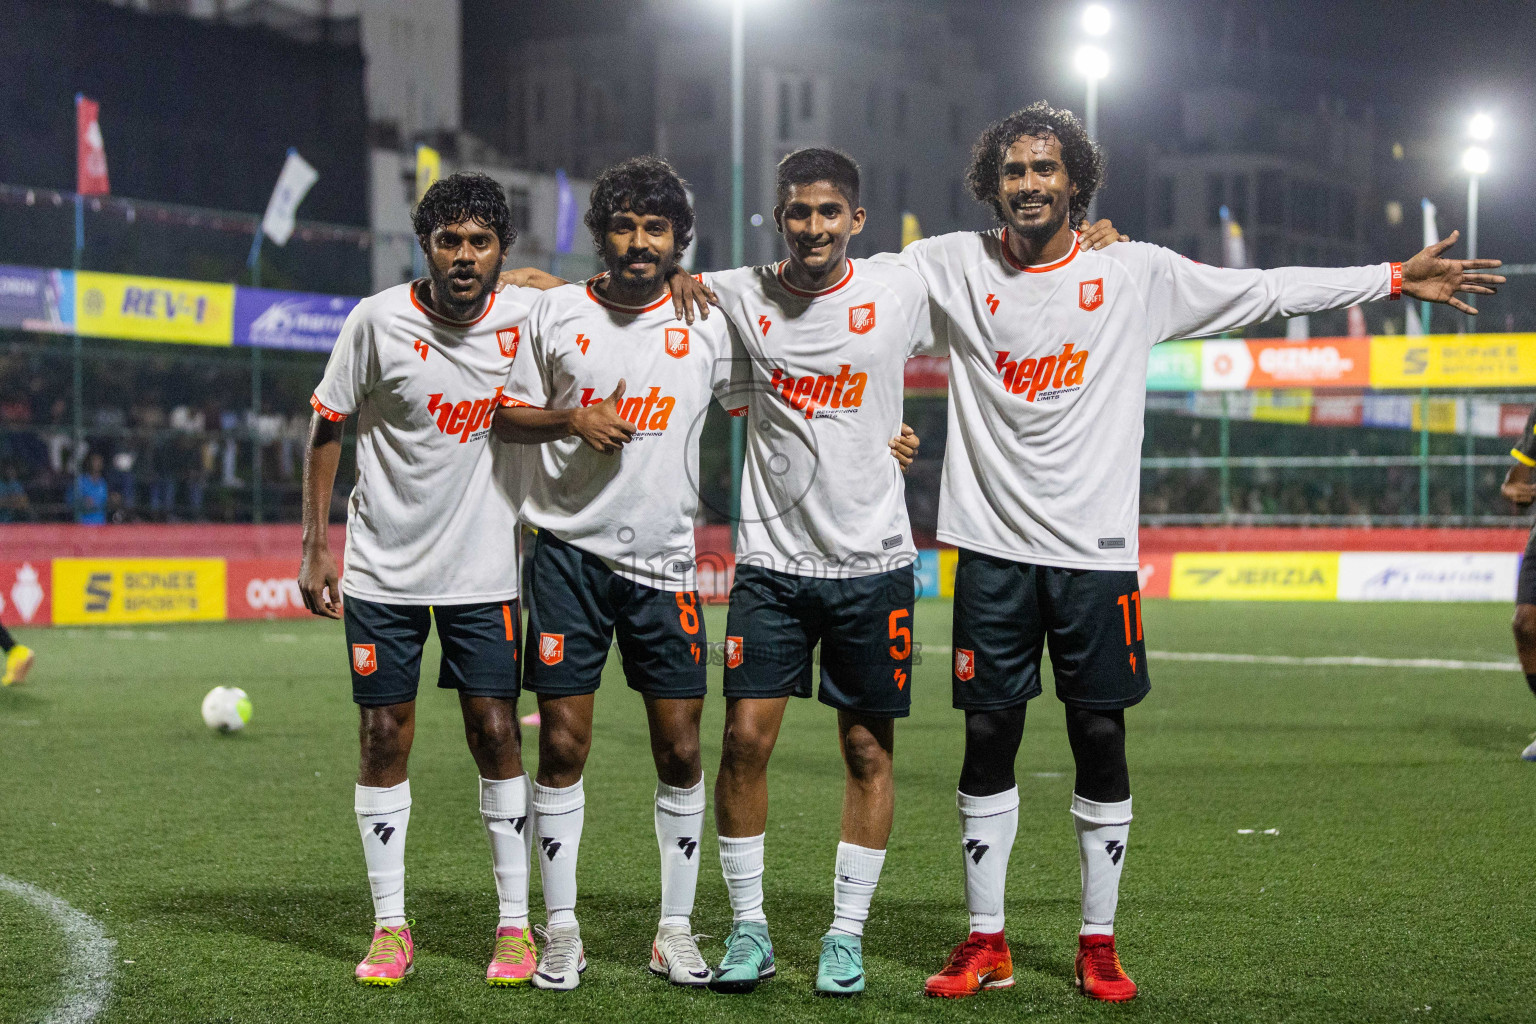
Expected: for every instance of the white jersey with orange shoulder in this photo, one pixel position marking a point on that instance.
(432, 518)
(1048, 379)
(633, 508)
(821, 493)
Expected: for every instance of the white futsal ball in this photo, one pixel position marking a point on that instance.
(226, 708)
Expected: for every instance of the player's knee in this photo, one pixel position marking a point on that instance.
(746, 749)
(867, 759)
(383, 733)
(1525, 626)
(495, 737)
(677, 760)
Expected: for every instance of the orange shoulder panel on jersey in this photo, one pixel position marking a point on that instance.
(330, 414)
(512, 403)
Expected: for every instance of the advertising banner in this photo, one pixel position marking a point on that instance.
(24, 593)
(1174, 366)
(1319, 363)
(263, 588)
(1427, 576)
(1454, 361)
(299, 321)
(121, 591)
(34, 299)
(154, 309)
(926, 573)
(1154, 574)
(1255, 576)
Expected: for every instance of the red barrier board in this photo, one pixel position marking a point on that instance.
(1169, 539)
(264, 588)
(42, 541)
(26, 592)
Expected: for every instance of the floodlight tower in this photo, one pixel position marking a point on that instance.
(1093, 64)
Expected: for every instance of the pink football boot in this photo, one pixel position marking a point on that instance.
(389, 958)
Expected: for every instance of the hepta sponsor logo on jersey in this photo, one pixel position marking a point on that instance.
(823, 393)
(649, 414)
(1052, 375)
(466, 418)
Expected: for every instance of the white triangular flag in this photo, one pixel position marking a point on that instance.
(293, 184)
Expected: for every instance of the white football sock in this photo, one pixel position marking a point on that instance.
(382, 816)
(741, 862)
(679, 827)
(1102, 830)
(853, 886)
(988, 825)
(504, 809)
(558, 815)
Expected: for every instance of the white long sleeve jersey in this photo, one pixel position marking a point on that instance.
(1048, 379)
(433, 516)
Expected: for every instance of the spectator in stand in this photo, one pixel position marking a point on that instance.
(13, 496)
(88, 497)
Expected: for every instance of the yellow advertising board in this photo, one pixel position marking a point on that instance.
(1255, 576)
(949, 558)
(1290, 406)
(154, 309)
(1454, 361)
(118, 591)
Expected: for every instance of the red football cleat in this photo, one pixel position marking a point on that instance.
(1099, 974)
(981, 961)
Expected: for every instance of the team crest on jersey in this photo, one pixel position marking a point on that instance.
(551, 648)
(965, 664)
(1090, 294)
(677, 342)
(365, 661)
(733, 652)
(508, 340)
(861, 319)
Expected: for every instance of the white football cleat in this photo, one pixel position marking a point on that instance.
(1529, 753)
(563, 959)
(675, 956)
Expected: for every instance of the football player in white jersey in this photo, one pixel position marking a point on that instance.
(824, 551)
(615, 391)
(431, 527)
(1048, 351)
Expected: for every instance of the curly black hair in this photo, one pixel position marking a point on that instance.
(816, 163)
(642, 185)
(468, 195)
(1084, 160)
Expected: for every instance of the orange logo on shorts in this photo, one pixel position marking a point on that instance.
(551, 648)
(733, 652)
(364, 660)
(965, 664)
(901, 679)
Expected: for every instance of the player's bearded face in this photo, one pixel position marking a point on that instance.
(463, 260)
(1034, 189)
(639, 250)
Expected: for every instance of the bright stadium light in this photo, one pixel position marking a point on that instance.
(1481, 128)
(1096, 20)
(1091, 62)
(1475, 160)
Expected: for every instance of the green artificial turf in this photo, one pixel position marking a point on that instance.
(228, 868)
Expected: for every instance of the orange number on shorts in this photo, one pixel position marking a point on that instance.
(901, 633)
(1125, 613)
(688, 612)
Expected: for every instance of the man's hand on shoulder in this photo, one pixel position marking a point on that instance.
(689, 294)
(1098, 235)
(529, 277)
(1433, 278)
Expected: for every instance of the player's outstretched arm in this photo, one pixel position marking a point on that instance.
(318, 578)
(1433, 278)
(1517, 486)
(904, 448)
(1099, 234)
(690, 294)
(600, 425)
(529, 277)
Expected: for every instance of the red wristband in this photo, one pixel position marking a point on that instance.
(1397, 281)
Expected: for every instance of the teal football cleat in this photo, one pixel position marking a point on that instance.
(748, 959)
(841, 971)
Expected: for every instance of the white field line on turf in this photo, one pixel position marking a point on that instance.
(1322, 661)
(88, 976)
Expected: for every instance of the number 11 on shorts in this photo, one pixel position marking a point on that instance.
(1125, 601)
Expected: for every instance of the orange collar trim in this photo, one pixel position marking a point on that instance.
(445, 321)
(1039, 268)
(619, 307)
(779, 271)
